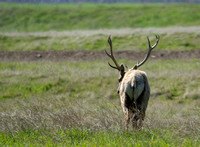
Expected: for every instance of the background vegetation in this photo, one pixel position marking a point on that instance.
(62, 41)
(45, 17)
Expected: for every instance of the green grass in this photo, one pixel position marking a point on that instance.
(45, 17)
(26, 80)
(84, 137)
(76, 103)
(173, 41)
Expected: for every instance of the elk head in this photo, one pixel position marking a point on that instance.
(134, 89)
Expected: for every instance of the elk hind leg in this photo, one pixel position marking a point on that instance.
(140, 120)
(128, 117)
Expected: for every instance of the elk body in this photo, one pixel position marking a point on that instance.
(134, 89)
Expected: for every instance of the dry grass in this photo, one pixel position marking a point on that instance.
(181, 119)
(115, 32)
(54, 113)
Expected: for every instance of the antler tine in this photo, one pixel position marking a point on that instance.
(149, 51)
(157, 40)
(111, 55)
(112, 66)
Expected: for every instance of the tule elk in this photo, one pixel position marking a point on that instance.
(134, 89)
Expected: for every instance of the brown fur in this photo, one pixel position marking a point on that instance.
(134, 94)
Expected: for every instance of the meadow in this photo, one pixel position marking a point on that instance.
(45, 17)
(171, 40)
(75, 103)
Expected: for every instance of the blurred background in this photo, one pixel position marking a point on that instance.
(56, 87)
(104, 1)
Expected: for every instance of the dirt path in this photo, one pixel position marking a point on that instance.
(79, 55)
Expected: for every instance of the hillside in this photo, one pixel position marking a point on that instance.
(45, 17)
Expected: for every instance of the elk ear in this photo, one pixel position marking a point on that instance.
(122, 72)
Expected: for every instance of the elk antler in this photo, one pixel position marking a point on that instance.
(111, 55)
(149, 52)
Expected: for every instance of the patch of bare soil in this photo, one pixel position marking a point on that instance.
(81, 55)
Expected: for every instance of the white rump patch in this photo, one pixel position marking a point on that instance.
(135, 86)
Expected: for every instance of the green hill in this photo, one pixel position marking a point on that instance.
(45, 17)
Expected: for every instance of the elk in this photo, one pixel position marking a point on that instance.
(134, 89)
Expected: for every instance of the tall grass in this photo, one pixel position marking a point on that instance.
(54, 121)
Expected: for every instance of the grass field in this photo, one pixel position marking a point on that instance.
(72, 103)
(54, 25)
(75, 103)
(133, 41)
(43, 17)
(26, 80)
